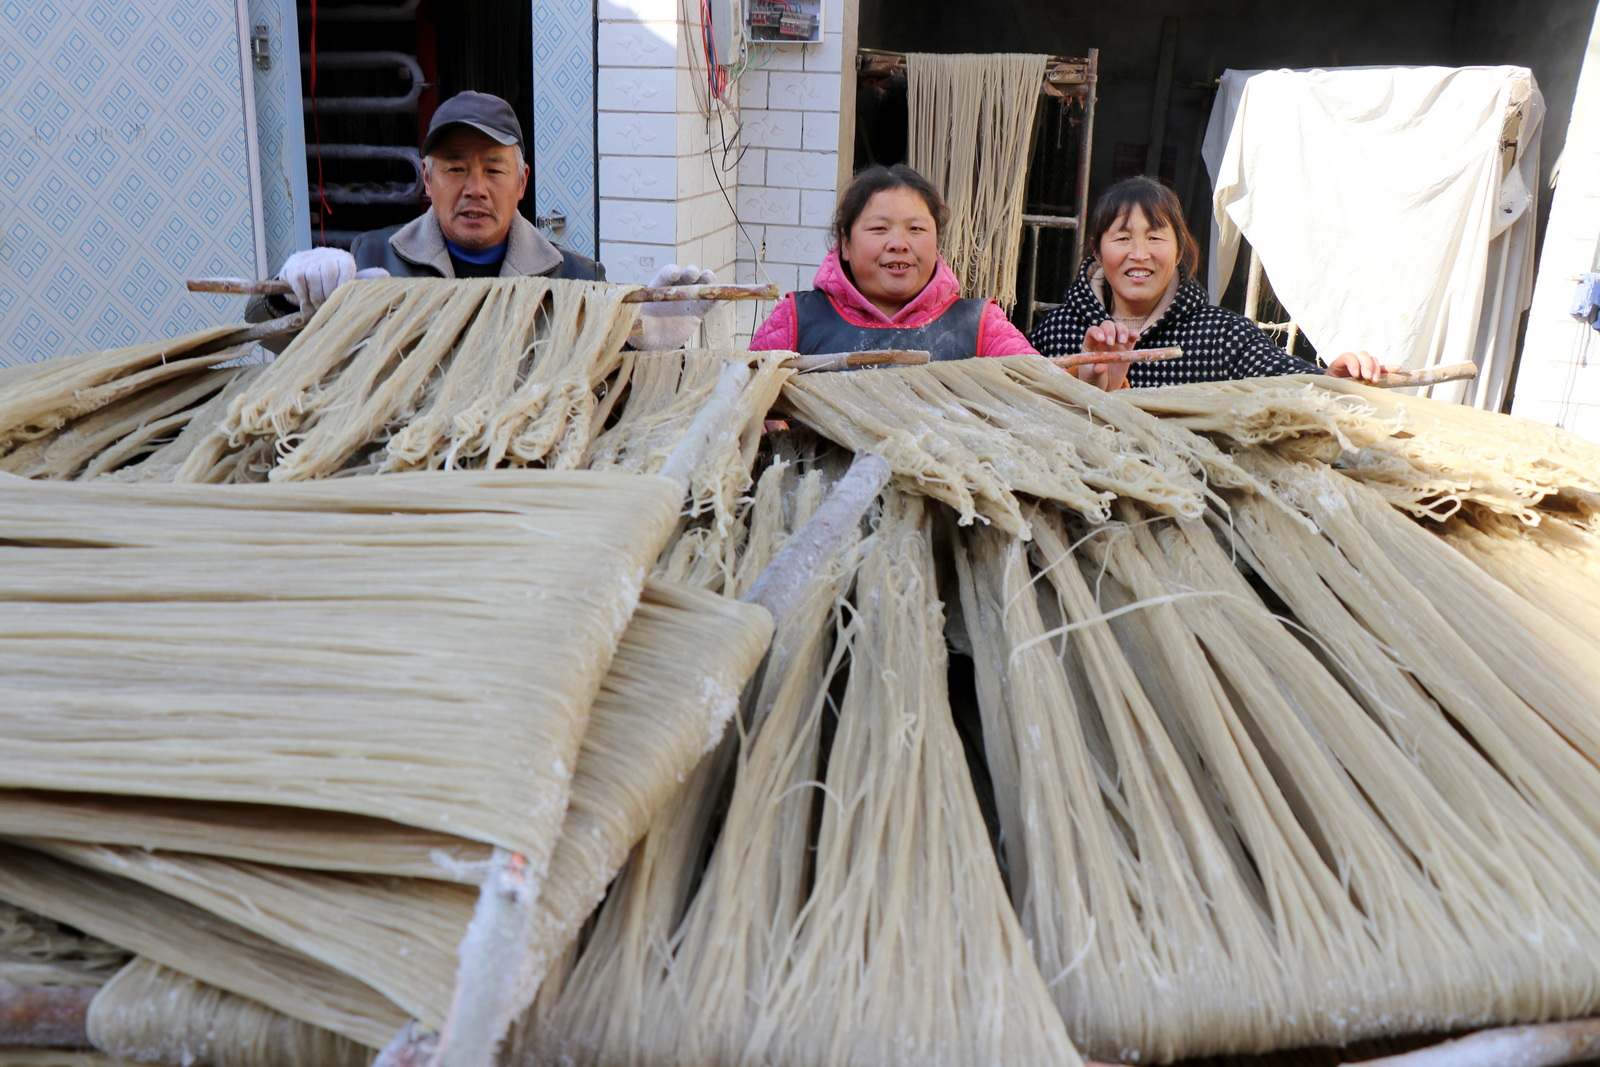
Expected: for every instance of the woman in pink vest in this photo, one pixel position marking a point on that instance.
(884, 283)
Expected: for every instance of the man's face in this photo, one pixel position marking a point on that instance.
(475, 184)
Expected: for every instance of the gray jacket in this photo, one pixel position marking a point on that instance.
(417, 250)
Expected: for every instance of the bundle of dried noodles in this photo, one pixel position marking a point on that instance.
(356, 646)
(1223, 838)
(152, 1014)
(976, 433)
(418, 374)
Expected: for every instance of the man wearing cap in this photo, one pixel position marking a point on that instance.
(475, 174)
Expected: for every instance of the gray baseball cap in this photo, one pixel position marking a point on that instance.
(484, 112)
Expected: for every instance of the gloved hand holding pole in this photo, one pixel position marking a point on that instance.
(665, 325)
(314, 274)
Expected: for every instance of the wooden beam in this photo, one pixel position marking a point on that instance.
(45, 1016)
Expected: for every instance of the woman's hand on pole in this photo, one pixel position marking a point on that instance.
(1109, 336)
(1358, 365)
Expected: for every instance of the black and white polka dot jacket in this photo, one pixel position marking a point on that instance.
(1218, 344)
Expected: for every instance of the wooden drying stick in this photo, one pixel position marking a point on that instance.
(1545, 1045)
(260, 331)
(886, 357)
(648, 295)
(1143, 355)
(1400, 379)
(291, 323)
(489, 992)
(711, 422)
(45, 1016)
(784, 579)
(494, 954)
(654, 294)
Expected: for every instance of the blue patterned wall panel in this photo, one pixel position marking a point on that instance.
(123, 170)
(280, 134)
(563, 117)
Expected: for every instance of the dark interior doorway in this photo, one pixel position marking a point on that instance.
(382, 67)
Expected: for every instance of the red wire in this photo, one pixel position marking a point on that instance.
(707, 48)
(316, 126)
(716, 74)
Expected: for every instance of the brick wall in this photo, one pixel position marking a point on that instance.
(671, 179)
(788, 178)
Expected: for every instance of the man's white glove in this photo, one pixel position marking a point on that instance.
(315, 273)
(666, 324)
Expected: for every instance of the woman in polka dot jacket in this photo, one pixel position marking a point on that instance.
(1137, 290)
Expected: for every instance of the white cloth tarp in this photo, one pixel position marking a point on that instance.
(1386, 211)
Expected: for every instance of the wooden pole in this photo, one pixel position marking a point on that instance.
(818, 361)
(1449, 372)
(1525, 1046)
(260, 331)
(711, 422)
(701, 292)
(45, 1016)
(784, 579)
(647, 295)
(1143, 355)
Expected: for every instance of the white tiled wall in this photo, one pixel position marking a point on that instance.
(1558, 379)
(125, 167)
(562, 138)
(748, 194)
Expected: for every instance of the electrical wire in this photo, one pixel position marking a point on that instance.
(1579, 351)
(717, 80)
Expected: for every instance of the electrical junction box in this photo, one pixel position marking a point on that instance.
(783, 21)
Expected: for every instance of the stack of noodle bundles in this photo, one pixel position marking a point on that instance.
(977, 433)
(1317, 765)
(673, 683)
(1283, 688)
(319, 645)
(390, 375)
(85, 415)
(361, 649)
(763, 957)
(414, 374)
(665, 390)
(1314, 772)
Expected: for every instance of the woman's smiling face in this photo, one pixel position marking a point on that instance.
(1139, 261)
(892, 249)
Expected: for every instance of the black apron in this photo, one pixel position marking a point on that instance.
(953, 335)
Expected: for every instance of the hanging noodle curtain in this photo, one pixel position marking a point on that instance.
(971, 127)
